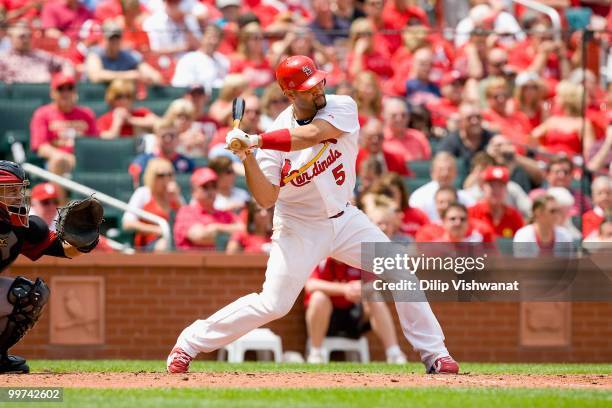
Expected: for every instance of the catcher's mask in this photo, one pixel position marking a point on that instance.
(14, 195)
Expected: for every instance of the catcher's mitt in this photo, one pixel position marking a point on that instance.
(79, 222)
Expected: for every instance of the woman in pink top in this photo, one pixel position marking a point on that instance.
(561, 133)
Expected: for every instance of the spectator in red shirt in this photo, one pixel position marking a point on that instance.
(334, 307)
(371, 140)
(529, 98)
(258, 235)
(387, 37)
(364, 53)
(400, 13)
(129, 15)
(368, 96)
(123, 119)
(160, 195)
(477, 231)
(250, 58)
(20, 10)
(492, 209)
(514, 125)
(392, 186)
(198, 224)
(64, 17)
(561, 133)
(601, 189)
(198, 95)
(411, 144)
(446, 108)
(55, 126)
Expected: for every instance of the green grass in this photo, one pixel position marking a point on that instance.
(61, 366)
(337, 398)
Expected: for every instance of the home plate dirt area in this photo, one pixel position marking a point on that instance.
(237, 379)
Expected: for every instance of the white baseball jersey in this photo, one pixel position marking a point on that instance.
(326, 186)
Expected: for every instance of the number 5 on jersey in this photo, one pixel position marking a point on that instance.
(339, 174)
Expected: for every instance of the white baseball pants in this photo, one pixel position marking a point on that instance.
(297, 247)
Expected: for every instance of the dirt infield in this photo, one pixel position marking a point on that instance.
(303, 380)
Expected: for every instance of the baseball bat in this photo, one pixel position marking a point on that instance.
(237, 113)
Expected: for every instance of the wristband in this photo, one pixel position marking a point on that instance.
(276, 140)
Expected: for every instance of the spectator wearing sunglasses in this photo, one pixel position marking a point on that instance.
(198, 224)
(160, 195)
(55, 126)
(166, 143)
(123, 119)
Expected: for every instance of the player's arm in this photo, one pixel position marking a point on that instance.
(264, 192)
(286, 140)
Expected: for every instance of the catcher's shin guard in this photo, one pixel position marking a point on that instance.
(28, 300)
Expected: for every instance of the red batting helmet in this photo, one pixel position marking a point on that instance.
(298, 73)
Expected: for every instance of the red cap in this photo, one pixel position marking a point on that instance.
(62, 79)
(298, 73)
(452, 76)
(496, 173)
(44, 191)
(202, 176)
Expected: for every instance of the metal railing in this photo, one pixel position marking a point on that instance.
(549, 11)
(104, 198)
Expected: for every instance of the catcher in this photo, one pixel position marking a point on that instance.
(21, 300)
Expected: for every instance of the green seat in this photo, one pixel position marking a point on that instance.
(117, 185)
(4, 91)
(200, 162)
(241, 183)
(420, 168)
(100, 155)
(23, 137)
(412, 184)
(30, 91)
(165, 92)
(221, 241)
(17, 114)
(157, 106)
(88, 91)
(184, 182)
(99, 107)
(504, 245)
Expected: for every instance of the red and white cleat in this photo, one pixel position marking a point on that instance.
(444, 365)
(178, 361)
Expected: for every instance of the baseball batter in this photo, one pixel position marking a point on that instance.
(306, 167)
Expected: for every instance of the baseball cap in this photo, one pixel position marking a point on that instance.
(202, 176)
(62, 79)
(111, 29)
(496, 173)
(298, 73)
(452, 76)
(44, 191)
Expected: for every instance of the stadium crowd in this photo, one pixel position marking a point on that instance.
(472, 113)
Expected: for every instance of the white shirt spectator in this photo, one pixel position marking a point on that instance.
(504, 23)
(198, 68)
(527, 235)
(237, 199)
(187, 6)
(164, 33)
(423, 198)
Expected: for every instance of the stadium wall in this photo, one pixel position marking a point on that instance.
(116, 306)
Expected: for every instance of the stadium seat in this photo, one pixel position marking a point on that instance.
(23, 137)
(352, 346)
(91, 92)
(256, 340)
(100, 155)
(17, 114)
(504, 245)
(157, 106)
(200, 162)
(30, 91)
(99, 107)
(241, 182)
(420, 168)
(165, 92)
(412, 184)
(184, 182)
(221, 241)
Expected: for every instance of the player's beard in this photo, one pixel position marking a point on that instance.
(320, 102)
